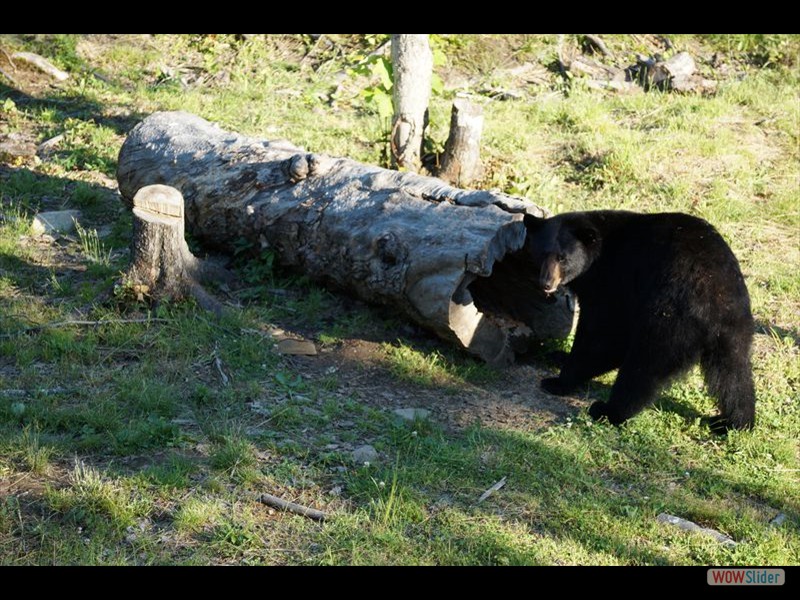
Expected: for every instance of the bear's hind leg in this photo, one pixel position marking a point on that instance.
(729, 376)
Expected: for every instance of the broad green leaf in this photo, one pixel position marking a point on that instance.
(382, 68)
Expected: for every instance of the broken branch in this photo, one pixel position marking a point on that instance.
(84, 323)
(492, 490)
(285, 505)
(597, 43)
(42, 64)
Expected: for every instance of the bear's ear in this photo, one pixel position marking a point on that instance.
(532, 223)
(587, 235)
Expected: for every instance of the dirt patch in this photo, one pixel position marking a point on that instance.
(513, 402)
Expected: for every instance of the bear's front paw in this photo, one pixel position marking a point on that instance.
(599, 409)
(718, 425)
(556, 385)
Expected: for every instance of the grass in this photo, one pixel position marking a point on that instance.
(433, 368)
(121, 443)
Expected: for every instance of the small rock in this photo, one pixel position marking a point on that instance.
(47, 147)
(411, 414)
(365, 454)
(61, 221)
(297, 347)
(258, 407)
(690, 526)
(779, 520)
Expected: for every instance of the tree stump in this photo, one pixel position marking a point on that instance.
(412, 68)
(431, 251)
(162, 266)
(461, 161)
(678, 73)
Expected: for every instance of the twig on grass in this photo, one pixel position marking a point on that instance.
(285, 505)
(55, 324)
(492, 490)
(9, 59)
(43, 392)
(218, 365)
(9, 77)
(42, 64)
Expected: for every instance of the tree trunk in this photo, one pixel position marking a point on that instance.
(162, 266)
(429, 250)
(461, 162)
(412, 69)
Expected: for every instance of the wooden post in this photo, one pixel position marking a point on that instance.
(461, 162)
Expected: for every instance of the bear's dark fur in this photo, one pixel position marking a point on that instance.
(658, 293)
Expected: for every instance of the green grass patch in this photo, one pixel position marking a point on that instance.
(434, 368)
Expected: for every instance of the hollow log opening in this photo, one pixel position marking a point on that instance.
(507, 305)
(511, 300)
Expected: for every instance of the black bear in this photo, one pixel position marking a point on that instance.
(658, 293)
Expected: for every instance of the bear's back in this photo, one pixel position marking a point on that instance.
(673, 259)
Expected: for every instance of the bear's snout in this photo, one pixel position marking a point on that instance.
(550, 275)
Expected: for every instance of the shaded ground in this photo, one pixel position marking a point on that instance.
(513, 401)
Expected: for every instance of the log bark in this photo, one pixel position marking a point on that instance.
(435, 253)
(461, 162)
(412, 67)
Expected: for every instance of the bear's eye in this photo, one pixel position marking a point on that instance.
(561, 257)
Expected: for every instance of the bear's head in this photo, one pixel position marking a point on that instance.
(561, 248)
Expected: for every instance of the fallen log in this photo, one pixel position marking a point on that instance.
(449, 259)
